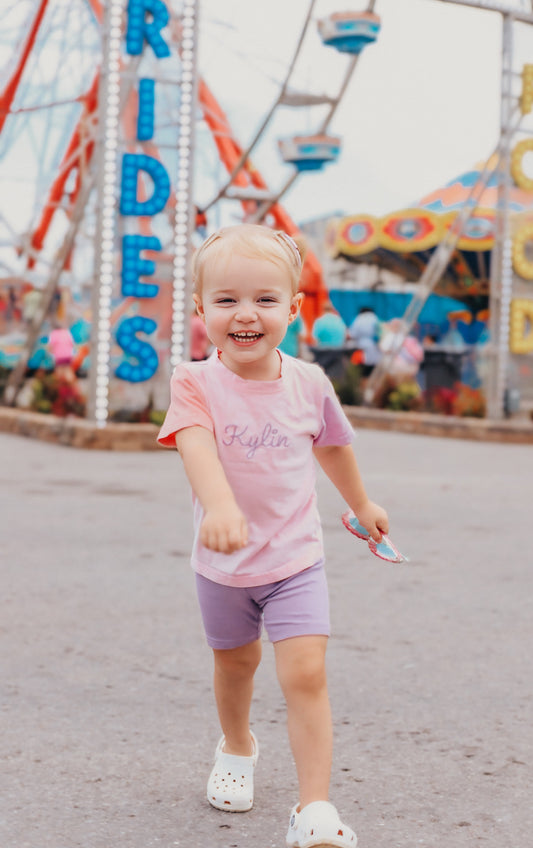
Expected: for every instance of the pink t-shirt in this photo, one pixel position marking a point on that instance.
(265, 433)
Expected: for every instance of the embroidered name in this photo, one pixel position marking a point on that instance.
(269, 438)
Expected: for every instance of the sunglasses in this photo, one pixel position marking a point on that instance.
(384, 549)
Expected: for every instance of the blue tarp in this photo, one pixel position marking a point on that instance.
(388, 305)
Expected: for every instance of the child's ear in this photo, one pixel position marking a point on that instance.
(199, 306)
(296, 303)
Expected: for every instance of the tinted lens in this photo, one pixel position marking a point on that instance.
(385, 551)
(355, 527)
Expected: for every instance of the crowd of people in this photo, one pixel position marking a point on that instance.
(364, 342)
(367, 339)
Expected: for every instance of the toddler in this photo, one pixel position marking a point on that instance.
(247, 423)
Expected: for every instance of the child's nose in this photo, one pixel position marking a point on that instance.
(246, 312)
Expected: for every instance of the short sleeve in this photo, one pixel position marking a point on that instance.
(335, 429)
(188, 407)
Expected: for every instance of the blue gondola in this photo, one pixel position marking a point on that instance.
(349, 32)
(310, 152)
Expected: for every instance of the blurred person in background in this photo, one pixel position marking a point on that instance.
(329, 330)
(365, 331)
(61, 346)
(200, 344)
(293, 342)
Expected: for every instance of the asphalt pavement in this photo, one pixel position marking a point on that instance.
(109, 724)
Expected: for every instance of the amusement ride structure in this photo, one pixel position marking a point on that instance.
(511, 269)
(133, 94)
(111, 136)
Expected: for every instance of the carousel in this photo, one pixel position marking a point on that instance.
(462, 252)
(404, 241)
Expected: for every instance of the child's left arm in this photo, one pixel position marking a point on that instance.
(340, 464)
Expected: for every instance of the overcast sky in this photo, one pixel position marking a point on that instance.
(422, 107)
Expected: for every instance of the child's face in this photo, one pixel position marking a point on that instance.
(246, 305)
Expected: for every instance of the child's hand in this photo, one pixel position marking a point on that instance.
(224, 529)
(374, 519)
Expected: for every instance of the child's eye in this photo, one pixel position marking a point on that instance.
(224, 300)
(267, 299)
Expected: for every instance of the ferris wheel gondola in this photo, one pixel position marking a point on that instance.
(310, 152)
(349, 32)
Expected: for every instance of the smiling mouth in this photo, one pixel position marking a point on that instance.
(246, 338)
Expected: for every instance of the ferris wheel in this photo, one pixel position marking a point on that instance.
(262, 122)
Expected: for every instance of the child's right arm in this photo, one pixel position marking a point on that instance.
(224, 526)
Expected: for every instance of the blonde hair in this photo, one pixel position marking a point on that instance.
(253, 241)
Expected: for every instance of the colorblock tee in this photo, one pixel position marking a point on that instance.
(265, 432)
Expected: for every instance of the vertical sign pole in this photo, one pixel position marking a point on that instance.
(501, 272)
(185, 215)
(108, 125)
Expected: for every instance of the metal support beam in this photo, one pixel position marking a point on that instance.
(16, 378)
(184, 223)
(490, 6)
(428, 281)
(108, 129)
(501, 276)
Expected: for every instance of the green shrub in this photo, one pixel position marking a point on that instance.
(157, 416)
(405, 397)
(56, 395)
(348, 387)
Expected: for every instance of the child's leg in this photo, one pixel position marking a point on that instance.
(301, 668)
(234, 683)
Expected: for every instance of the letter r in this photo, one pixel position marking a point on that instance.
(139, 29)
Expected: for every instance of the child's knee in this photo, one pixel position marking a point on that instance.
(304, 673)
(309, 677)
(238, 662)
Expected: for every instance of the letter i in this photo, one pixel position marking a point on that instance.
(145, 120)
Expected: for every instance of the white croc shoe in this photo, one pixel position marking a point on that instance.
(318, 826)
(231, 783)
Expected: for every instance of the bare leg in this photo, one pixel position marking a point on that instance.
(234, 684)
(301, 668)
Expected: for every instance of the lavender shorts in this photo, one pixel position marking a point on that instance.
(233, 616)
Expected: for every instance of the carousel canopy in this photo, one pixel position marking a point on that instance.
(403, 241)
